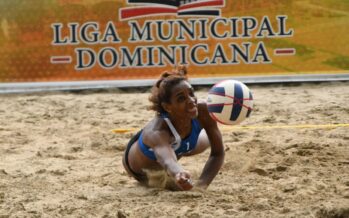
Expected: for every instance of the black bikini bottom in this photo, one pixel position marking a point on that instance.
(140, 177)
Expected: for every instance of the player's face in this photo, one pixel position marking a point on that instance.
(183, 101)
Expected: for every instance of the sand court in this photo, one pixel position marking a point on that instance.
(60, 158)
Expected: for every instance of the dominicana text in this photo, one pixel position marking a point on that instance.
(172, 36)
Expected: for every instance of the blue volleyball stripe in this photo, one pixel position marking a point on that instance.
(217, 108)
(238, 102)
(217, 91)
(250, 109)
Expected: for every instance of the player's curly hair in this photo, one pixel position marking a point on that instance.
(162, 89)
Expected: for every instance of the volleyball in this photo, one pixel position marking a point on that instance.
(229, 102)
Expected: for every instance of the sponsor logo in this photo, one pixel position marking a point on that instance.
(142, 8)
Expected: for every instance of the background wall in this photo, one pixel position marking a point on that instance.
(28, 52)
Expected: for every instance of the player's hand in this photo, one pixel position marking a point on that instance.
(183, 181)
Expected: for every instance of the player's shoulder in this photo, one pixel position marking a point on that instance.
(202, 108)
(156, 131)
(204, 116)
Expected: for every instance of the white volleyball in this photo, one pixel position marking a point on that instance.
(229, 102)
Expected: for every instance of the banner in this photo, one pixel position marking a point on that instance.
(87, 40)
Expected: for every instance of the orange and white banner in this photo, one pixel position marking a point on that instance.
(99, 40)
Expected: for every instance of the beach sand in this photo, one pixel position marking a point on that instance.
(59, 158)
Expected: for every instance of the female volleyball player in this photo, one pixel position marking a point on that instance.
(181, 127)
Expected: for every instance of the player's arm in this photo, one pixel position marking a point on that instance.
(216, 158)
(167, 158)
